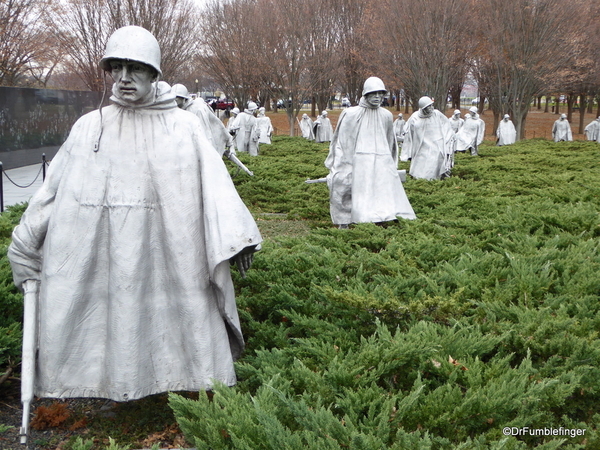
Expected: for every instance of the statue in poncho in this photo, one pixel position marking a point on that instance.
(592, 130)
(506, 132)
(131, 238)
(322, 128)
(215, 131)
(428, 142)
(456, 122)
(471, 134)
(306, 127)
(246, 130)
(363, 180)
(399, 129)
(561, 130)
(265, 128)
(230, 122)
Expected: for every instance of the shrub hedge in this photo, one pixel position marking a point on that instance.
(436, 333)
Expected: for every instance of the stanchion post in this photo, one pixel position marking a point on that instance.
(43, 167)
(1, 188)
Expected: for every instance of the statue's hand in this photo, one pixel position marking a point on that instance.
(243, 260)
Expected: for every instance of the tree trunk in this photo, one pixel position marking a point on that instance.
(292, 121)
(582, 107)
(546, 107)
(570, 102)
(496, 121)
(481, 104)
(557, 101)
(539, 102)
(313, 106)
(398, 101)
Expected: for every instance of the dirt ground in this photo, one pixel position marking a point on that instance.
(539, 124)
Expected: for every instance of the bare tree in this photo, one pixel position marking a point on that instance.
(82, 30)
(523, 45)
(174, 24)
(23, 47)
(429, 44)
(354, 36)
(293, 51)
(84, 26)
(324, 55)
(229, 48)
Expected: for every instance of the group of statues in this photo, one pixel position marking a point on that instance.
(126, 248)
(319, 131)
(244, 131)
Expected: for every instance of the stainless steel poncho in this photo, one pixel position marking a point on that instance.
(131, 245)
(429, 145)
(363, 180)
(506, 133)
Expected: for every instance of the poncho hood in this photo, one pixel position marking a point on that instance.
(158, 98)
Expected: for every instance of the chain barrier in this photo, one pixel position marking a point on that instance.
(27, 185)
(3, 172)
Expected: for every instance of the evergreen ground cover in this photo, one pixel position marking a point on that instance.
(429, 334)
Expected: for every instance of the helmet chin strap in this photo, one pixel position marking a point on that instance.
(97, 144)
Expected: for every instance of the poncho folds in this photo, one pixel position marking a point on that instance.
(306, 126)
(561, 131)
(132, 244)
(429, 145)
(246, 132)
(471, 134)
(592, 130)
(323, 129)
(363, 180)
(506, 133)
(218, 135)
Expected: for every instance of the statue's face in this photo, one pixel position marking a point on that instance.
(180, 101)
(133, 80)
(374, 98)
(428, 110)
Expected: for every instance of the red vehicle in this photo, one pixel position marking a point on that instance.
(224, 104)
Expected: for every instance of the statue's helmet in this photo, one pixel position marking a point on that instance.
(261, 109)
(506, 116)
(563, 116)
(324, 113)
(373, 84)
(235, 111)
(180, 91)
(424, 102)
(457, 112)
(132, 43)
(474, 109)
(252, 106)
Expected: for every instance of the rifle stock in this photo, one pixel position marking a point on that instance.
(30, 330)
(234, 159)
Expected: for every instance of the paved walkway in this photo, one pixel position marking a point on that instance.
(22, 176)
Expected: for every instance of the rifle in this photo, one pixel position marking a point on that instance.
(30, 325)
(318, 180)
(234, 159)
(401, 174)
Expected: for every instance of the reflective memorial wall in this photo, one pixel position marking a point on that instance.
(37, 118)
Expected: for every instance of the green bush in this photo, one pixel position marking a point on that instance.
(435, 333)
(11, 300)
(429, 334)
